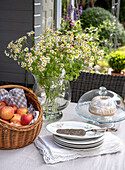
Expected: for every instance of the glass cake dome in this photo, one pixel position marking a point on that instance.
(102, 106)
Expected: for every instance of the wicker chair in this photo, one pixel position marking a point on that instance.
(88, 81)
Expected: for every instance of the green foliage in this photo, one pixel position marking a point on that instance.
(117, 61)
(94, 16)
(94, 32)
(101, 18)
(68, 25)
(104, 65)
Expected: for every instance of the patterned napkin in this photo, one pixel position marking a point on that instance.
(17, 96)
(53, 153)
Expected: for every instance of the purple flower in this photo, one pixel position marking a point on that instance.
(66, 18)
(69, 19)
(80, 10)
(69, 10)
(75, 13)
(72, 24)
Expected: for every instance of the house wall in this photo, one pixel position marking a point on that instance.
(16, 19)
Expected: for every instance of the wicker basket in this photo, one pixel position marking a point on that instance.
(11, 136)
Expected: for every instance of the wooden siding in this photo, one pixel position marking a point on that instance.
(16, 19)
(37, 18)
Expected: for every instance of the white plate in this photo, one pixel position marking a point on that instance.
(78, 142)
(73, 148)
(81, 146)
(74, 125)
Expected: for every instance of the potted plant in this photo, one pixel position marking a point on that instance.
(117, 62)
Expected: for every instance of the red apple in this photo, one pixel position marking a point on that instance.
(15, 118)
(2, 104)
(14, 107)
(16, 123)
(7, 112)
(22, 110)
(26, 118)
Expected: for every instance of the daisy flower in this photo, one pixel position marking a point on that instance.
(30, 68)
(26, 49)
(42, 69)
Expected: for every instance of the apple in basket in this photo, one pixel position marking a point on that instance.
(16, 123)
(26, 118)
(22, 110)
(2, 104)
(14, 107)
(7, 112)
(16, 118)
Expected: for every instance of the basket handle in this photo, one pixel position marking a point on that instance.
(17, 86)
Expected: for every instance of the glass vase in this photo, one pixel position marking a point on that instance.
(54, 94)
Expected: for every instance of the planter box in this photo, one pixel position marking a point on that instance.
(118, 74)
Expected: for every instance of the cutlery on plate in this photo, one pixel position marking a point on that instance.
(82, 132)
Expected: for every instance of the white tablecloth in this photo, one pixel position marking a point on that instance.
(29, 158)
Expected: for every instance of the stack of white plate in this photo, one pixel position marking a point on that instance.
(91, 140)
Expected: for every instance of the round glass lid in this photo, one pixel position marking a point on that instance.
(101, 105)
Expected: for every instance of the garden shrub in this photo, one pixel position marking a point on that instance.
(117, 61)
(96, 17)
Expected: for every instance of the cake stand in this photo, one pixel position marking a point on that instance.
(102, 121)
(82, 108)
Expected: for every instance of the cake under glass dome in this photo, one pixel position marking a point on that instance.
(101, 106)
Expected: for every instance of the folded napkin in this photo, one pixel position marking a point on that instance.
(53, 153)
(15, 96)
